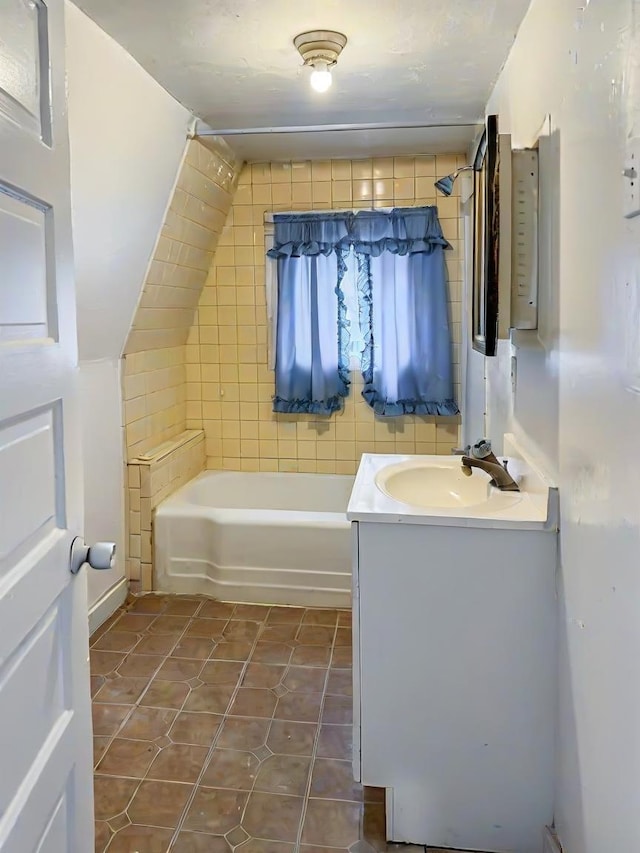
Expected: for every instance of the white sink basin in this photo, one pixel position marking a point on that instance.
(425, 484)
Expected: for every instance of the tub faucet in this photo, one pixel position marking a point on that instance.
(482, 457)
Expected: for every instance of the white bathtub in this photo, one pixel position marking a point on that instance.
(259, 538)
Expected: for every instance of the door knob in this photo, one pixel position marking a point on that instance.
(101, 555)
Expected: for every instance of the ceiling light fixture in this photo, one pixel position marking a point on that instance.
(320, 50)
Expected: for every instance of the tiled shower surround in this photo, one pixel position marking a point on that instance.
(229, 385)
(221, 726)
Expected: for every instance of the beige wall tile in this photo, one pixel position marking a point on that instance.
(242, 433)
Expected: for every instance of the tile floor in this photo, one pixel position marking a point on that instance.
(221, 727)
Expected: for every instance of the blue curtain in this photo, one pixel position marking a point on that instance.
(404, 312)
(312, 337)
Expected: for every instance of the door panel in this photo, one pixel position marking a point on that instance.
(46, 799)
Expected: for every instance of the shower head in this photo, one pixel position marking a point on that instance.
(445, 185)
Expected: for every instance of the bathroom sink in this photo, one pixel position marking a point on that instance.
(425, 484)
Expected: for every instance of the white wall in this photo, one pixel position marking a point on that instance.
(577, 395)
(127, 140)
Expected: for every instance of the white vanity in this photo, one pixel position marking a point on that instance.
(455, 650)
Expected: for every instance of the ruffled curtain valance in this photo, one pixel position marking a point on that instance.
(369, 232)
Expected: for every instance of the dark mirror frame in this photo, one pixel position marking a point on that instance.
(486, 212)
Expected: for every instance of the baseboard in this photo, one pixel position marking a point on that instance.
(107, 604)
(551, 842)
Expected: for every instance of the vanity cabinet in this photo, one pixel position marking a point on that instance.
(455, 680)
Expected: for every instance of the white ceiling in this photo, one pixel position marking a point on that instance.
(232, 62)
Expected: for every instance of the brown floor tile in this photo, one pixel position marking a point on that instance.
(344, 618)
(231, 768)
(373, 829)
(178, 763)
(210, 628)
(148, 723)
(333, 780)
(212, 698)
(160, 751)
(234, 650)
(314, 848)
(305, 679)
(241, 630)
(141, 839)
(100, 745)
(128, 758)
(165, 694)
(182, 606)
(263, 675)
(159, 803)
(284, 774)
(321, 617)
(274, 653)
(342, 656)
(107, 719)
(285, 615)
(199, 729)
(300, 707)
(374, 795)
(287, 738)
(198, 648)
(338, 709)
(273, 816)
(148, 604)
(253, 702)
(311, 656)
(242, 733)
(215, 811)
(103, 836)
(155, 644)
(169, 625)
(285, 633)
(258, 845)
(102, 663)
(136, 622)
(332, 823)
(221, 672)
(121, 691)
(198, 842)
(315, 635)
(117, 641)
(256, 612)
(96, 682)
(111, 795)
(179, 669)
(335, 742)
(343, 637)
(216, 610)
(140, 665)
(340, 682)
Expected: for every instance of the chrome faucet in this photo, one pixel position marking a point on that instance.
(482, 457)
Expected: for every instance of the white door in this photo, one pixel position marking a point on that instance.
(46, 801)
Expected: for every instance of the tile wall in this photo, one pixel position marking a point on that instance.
(150, 481)
(154, 355)
(229, 386)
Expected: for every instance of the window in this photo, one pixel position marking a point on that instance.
(366, 291)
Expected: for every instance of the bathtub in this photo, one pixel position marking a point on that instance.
(257, 538)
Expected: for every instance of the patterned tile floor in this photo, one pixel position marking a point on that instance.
(221, 727)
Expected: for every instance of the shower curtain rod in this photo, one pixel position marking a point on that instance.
(321, 128)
